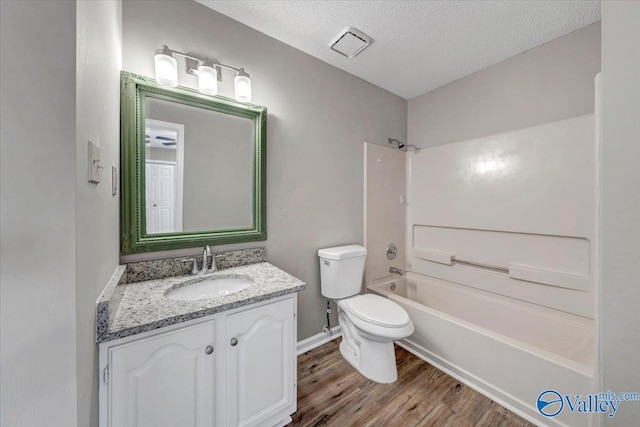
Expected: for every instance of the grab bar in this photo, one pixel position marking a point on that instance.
(447, 258)
(479, 265)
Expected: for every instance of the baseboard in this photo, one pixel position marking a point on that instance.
(318, 339)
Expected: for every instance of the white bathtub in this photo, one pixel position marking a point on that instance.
(507, 349)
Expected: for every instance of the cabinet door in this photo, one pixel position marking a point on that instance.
(164, 381)
(260, 375)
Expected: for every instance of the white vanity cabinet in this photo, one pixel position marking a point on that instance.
(261, 365)
(234, 368)
(164, 380)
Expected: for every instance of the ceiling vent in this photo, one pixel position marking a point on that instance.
(350, 42)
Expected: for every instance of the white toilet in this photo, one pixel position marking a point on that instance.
(370, 323)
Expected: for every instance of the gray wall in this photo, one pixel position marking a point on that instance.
(551, 82)
(620, 211)
(99, 57)
(319, 117)
(218, 166)
(38, 245)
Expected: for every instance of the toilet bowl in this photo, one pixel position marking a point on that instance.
(369, 323)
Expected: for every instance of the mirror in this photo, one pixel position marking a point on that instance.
(192, 168)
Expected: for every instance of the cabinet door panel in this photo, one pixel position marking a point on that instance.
(260, 374)
(164, 381)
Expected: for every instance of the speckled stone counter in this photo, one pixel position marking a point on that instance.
(143, 306)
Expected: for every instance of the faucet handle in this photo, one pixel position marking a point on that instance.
(194, 269)
(214, 263)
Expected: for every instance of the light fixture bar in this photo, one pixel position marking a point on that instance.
(242, 80)
(194, 60)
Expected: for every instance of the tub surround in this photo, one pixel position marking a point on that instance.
(127, 308)
(515, 202)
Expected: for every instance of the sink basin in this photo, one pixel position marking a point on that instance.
(210, 288)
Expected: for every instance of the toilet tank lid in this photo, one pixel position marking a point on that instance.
(342, 252)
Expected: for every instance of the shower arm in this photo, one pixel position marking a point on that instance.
(402, 145)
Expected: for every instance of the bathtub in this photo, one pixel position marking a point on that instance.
(506, 349)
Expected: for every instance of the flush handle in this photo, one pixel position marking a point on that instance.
(326, 262)
(209, 349)
(234, 342)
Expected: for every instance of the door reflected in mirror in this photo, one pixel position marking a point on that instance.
(198, 169)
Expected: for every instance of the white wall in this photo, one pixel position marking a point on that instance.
(38, 200)
(98, 62)
(550, 82)
(318, 118)
(620, 217)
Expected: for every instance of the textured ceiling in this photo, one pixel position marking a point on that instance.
(417, 45)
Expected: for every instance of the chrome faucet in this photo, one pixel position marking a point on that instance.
(205, 254)
(214, 265)
(395, 271)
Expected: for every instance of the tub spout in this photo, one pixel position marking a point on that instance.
(395, 271)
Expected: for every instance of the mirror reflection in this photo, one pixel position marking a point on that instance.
(199, 167)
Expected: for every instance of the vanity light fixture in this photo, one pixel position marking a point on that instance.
(166, 67)
(208, 78)
(242, 84)
(209, 73)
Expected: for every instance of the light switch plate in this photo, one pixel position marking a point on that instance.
(94, 163)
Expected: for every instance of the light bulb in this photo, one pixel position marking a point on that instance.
(166, 67)
(207, 80)
(243, 86)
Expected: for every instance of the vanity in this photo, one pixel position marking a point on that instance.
(223, 354)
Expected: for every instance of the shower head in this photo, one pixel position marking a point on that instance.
(402, 146)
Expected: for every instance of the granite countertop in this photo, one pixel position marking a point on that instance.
(143, 306)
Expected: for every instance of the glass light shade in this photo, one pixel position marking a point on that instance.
(207, 80)
(243, 88)
(166, 69)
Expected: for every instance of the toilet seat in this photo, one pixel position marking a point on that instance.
(376, 310)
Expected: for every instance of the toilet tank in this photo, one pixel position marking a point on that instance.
(341, 270)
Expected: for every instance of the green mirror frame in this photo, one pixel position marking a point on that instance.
(133, 91)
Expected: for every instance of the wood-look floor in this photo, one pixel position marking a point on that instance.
(332, 393)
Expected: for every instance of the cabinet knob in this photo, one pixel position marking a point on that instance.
(234, 342)
(209, 349)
